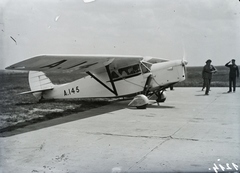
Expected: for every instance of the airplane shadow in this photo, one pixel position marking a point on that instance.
(36, 125)
(45, 101)
(154, 106)
(161, 106)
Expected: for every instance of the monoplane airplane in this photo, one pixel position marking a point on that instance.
(108, 76)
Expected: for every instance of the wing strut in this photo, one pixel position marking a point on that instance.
(111, 80)
(113, 91)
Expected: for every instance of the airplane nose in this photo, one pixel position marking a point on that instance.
(184, 62)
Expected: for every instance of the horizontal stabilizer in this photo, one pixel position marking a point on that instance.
(35, 91)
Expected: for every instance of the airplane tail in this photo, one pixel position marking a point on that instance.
(38, 83)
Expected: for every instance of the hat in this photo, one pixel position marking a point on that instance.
(208, 61)
(233, 59)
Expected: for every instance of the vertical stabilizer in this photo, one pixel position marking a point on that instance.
(39, 81)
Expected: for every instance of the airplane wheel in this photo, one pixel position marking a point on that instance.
(161, 97)
(159, 100)
(142, 107)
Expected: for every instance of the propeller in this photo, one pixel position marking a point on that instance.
(184, 61)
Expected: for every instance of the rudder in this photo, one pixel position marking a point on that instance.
(39, 81)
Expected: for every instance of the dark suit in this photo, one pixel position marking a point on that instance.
(233, 73)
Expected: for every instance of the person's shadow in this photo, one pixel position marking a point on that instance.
(226, 93)
(201, 95)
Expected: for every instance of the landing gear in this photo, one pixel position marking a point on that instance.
(38, 96)
(41, 99)
(140, 102)
(142, 107)
(161, 96)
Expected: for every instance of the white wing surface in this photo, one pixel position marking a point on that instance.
(82, 63)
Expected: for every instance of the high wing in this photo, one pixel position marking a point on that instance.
(82, 63)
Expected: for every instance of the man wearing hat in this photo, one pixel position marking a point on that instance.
(208, 69)
(233, 73)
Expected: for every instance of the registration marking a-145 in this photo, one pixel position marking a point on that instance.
(71, 91)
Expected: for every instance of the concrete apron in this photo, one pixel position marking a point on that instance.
(189, 132)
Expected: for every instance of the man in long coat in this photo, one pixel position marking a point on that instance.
(208, 69)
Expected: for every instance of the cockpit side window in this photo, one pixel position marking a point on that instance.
(124, 72)
(146, 67)
(114, 74)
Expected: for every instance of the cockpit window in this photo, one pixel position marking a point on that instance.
(130, 71)
(124, 72)
(146, 67)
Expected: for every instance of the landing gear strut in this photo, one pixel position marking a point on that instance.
(161, 96)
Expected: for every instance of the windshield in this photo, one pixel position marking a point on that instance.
(146, 67)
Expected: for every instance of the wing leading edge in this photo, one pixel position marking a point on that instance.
(82, 63)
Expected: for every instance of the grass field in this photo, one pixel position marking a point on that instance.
(20, 110)
(194, 77)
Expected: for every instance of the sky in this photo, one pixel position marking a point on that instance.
(172, 29)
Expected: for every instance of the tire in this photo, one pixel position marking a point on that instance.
(142, 107)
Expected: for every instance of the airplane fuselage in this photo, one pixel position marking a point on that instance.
(107, 84)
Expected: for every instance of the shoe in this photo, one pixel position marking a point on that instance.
(229, 91)
(206, 94)
(234, 91)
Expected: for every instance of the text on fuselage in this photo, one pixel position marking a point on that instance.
(71, 91)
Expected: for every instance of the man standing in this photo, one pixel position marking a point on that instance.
(208, 69)
(233, 73)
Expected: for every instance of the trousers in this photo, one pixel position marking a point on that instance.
(232, 80)
(207, 85)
